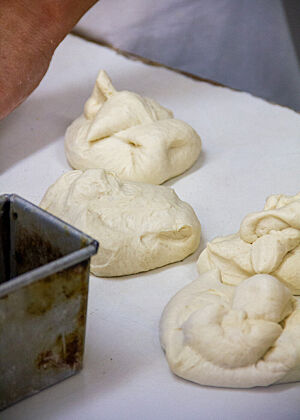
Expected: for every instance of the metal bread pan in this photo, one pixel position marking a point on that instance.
(44, 273)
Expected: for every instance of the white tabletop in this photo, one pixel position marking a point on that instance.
(251, 149)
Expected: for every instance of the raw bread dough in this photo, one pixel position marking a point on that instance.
(268, 242)
(238, 337)
(133, 136)
(139, 226)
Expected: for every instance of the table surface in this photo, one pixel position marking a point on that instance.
(251, 149)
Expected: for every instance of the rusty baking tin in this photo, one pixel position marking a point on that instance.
(44, 272)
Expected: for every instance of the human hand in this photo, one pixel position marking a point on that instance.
(30, 31)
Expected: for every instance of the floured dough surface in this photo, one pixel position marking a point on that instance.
(245, 336)
(131, 135)
(267, 242)
(139, 226)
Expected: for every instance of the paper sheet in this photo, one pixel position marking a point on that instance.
(251, 149)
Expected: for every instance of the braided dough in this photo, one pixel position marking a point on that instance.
(245, 336)
(139, 226)
(268, 242)
(128, 134)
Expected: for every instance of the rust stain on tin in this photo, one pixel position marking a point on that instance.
(74, 349)
(41, 301)
(66, 351)
(54, 289)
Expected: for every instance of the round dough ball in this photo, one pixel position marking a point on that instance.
(220, 335)
(139, 226)
(132, 136)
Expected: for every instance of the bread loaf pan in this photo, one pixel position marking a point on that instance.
(44, 273)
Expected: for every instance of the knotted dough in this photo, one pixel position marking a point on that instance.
(133, 136)
(139, 226)
(268, 242)
(245, 336)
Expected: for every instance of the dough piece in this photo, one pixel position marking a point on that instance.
(132, 136)
(139, 226)
(238, 337)
(268, 242)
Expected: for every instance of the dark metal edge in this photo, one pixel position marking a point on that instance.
(54, 266)
(48, 269)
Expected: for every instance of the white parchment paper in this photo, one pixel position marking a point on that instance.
(251, 149)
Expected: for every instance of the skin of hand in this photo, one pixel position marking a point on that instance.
(30, 31)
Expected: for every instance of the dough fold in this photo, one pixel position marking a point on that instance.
(130, 135)
(267, 242)
(139, 226)
(244, 336)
